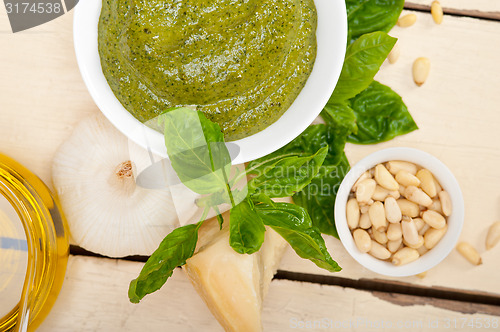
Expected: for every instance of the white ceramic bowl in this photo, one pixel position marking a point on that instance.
(331, 39)
(455, 220)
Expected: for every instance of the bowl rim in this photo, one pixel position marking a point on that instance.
(455, 221)
(315, 94)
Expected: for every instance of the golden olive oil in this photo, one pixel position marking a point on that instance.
(39, 256)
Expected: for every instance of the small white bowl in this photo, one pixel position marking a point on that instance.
(455, 220)
(331, 39)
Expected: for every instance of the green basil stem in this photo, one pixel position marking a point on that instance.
(228, 188)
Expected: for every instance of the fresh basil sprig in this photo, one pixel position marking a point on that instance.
(174, 250)
(283, 177)
(359, 111)
(200, 159)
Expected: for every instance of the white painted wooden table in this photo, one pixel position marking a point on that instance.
(42, 97)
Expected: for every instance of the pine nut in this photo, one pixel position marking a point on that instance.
(427, 182)
(410, 233)
(384, 178)
(380, 237)
(407, 20)
(437, 12)
(394, 166)
(365, 190)
(416, 195)
(395, 194)
(469, 252)
(408, 208)
(392, 210)
(422, 250)
(421, 69)
(364, 208)
(377, 216)
(405, 256)
(364, 221)
(493, 236)
(401, 190)
(419, 223)
(434, 219)
(438, 186)
(406, 179)
(380, 193)
(352, 213)
(424, 229)
(381, 222)
(379, 251)
(394, 54)
(394, 232)
(445, 200)
(436, 206)
(433, 236)
(395, 245)
(362, 240)
(417, 245)
(364, 176)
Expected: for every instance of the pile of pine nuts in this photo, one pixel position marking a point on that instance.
(397, 211)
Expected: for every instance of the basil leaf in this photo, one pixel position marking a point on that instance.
(261, 198)
(365, 16)
(288, 175)
(196, 149)
(246, 230)
(174, 250)
(381, 115)
(293, 223)
(309, 142)
(259, 166)
(318, 198)
(314, 138)
(340, 115)
(362, 61)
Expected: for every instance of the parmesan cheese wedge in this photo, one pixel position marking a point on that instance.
(233, 285)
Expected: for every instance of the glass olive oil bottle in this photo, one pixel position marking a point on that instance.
(33, 248)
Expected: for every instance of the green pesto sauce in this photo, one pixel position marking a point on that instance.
(241, 62)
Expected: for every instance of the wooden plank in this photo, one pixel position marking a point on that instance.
(457, 112)
(43, 94)
(43, 97)
(489, 9)
(94, 298)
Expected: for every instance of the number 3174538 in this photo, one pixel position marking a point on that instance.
(34, 8)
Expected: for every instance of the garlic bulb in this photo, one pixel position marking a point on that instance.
(107, 212)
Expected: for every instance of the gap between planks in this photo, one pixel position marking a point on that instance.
(405, 294)
(489, 16)
(399, 293)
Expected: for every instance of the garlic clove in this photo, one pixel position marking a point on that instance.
(107, 212)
